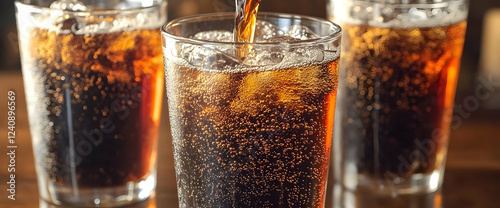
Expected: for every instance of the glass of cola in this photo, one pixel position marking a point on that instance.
(94, 84)
(399, 68)
(252, 123)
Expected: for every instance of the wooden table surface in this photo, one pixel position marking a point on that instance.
(472, 173)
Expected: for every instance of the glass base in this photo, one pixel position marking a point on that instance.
(362, 199)
(394, 186)
(420, 190)
(130, 193)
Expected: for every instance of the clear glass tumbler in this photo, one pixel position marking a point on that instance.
(252, 130)
(399, 70)
(94, 83)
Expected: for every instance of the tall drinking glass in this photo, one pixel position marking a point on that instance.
(94, 83)
(251, 131)
(399, 72)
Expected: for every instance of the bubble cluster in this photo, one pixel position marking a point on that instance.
(101, 100)
(252, 138)
(399, 88)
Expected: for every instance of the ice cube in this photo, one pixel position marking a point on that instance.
(219, 61)
(264, 57)
(269, 56)
(208, 57)
(216, 35)
(281, 39)
(301, 32)
(277, 54)
(265, 30)
(298, 55)
(415, 14)
(68, 5)
(387, 15)
(312, 54)
(194, 54)
(214, 89)
(68, 23)
(253, 90)
(292, 87)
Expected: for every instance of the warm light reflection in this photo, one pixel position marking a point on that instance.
(438, 198)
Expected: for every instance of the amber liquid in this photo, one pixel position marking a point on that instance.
(252, 138)
(246, 17)
(101, 101)
(244, 25)
(399, 94)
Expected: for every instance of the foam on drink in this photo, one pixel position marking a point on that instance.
(389, 16)
(257, 59)
(74, 17)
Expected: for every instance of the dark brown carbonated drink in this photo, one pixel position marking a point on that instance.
(252, 124)
(400, 90)
(252, 137)
(100, 106)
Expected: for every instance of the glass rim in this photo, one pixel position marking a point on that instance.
(335, 35)
(103, 12)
